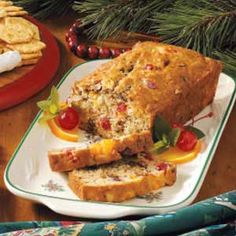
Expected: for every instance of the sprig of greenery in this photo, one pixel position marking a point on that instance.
(106, 18)
(228, 58)
(165, 136)
(201, 27)
(50, 107)
(45, 8)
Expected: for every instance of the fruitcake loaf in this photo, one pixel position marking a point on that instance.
(125, 95)
(104, 151)
(121, 180)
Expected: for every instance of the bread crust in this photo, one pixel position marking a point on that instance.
(67, 159)
(179, 85)
(118, 192)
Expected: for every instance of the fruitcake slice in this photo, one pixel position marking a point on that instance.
(104, 151)
(121, 180)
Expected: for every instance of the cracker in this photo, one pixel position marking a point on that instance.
(17, 13)
(14, 31)
(3, 13)
(5, 3)
(13, 9)
(33, 27)
(29, 62)
(31, 47)
(27, 56)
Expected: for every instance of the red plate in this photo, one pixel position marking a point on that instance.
(37, 78)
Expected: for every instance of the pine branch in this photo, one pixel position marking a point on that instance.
(229, 60)
(45, 8)
(108, 17)
(198, 26)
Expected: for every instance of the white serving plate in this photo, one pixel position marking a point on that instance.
(28, 174)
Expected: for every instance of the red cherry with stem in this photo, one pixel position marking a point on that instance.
(105, 123)
(93, 52)
(186, 141)
(116, 52)
(68, 118)
(81, 50)
(104, 53)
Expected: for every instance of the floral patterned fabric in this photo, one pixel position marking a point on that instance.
(215, 217)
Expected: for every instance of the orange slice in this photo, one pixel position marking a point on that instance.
(68, 135)
(177, 156)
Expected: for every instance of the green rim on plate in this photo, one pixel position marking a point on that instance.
(202, 175)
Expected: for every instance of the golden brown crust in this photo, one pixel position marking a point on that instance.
(180, 84)
(102, 152)
(118, 192)
(70, 159)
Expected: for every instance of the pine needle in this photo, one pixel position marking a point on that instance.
(106, 18)
(45, 8)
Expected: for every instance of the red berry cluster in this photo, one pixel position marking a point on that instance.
(85, 51)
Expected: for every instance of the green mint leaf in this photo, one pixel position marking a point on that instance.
(158, 144)
(160, 127)
(174, 136)
(54, 96)
(45, 117)
(196, 131)
(159, 147)
(166, 139)
(44, 105)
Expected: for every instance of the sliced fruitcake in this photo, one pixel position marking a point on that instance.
(121, 180)
(104, 151)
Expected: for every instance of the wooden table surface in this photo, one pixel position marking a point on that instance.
(221, 176)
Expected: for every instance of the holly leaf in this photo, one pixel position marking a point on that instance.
(161, 127)
(196, 131)
(174, 136)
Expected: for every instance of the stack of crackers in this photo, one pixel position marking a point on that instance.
(19, 34)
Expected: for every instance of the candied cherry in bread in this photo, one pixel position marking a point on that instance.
(105, 123)
(187, 141)
(162, 166)
(68, 118)
(150, 67)
(122, 107)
